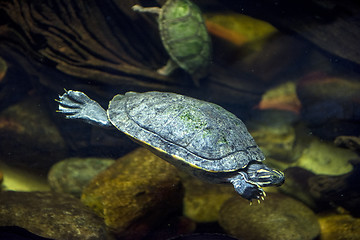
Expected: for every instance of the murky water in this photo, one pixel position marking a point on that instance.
(292, 77)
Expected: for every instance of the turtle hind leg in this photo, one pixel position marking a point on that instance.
(77, 105)
(138, 8)
(168, 68)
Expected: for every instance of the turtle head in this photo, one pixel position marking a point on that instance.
(264, 176)
(248, 182)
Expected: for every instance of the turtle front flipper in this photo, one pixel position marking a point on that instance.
(77, 105)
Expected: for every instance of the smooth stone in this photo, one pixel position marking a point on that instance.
(51, 215)
(330, 104)
(28, 137)
(322, 157)
(135, 194)
(297, 185)
(324, 192)
(281, 97)
(202, 200)
(278, 217)
(239, 29)
(339, 226)
(73, 174)
(343, 190)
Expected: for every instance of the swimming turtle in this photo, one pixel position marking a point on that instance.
(184, 36)
(199, 137)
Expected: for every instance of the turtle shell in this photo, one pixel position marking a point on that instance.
(194, 132)
(184, 35)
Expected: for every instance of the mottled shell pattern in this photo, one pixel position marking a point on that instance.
(194, 132)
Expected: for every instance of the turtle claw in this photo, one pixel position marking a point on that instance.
(258, 200)
(262, 195)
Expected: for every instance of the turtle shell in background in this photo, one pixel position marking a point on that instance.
(185, 36)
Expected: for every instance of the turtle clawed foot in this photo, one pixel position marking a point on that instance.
(259, 197)
(71, 97)
(72, 102)
(77, 105)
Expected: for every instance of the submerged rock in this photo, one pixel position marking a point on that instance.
(297, 185)
(73, 174)
(330, 104)
(324, 192)
(350, 142)
(202, 200)
(278, 217)
(322, 157)
(281, 97)
(28, 138)
(51, 215)
(239, 29)
(23, 180)
(135, 194)
(336, 227)
(343, 190)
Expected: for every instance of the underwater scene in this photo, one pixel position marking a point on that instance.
(180, 120)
